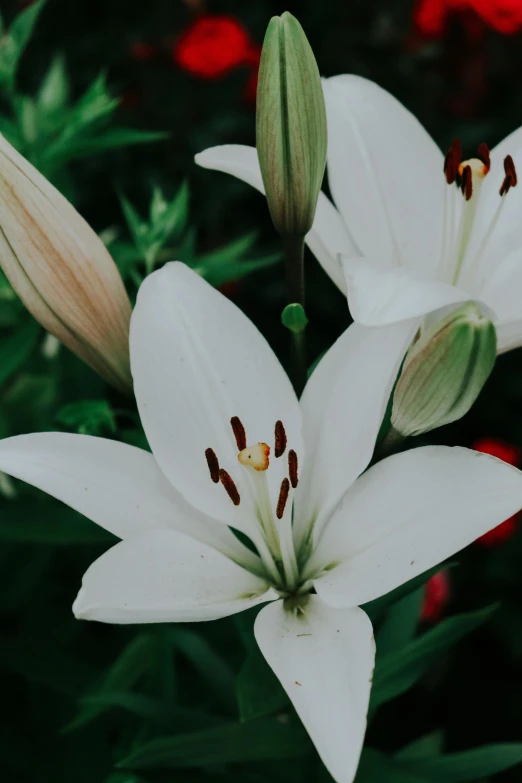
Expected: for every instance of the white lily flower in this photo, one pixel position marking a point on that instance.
(404, 241)
(234, 449)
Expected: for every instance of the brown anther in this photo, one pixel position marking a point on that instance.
(213, 465)
(280, 439)
(452, 161)
(283, 497)
(484, 156)
(228, 482)
(511, 178)
(466, 184)
(292, 468)
(239, 432)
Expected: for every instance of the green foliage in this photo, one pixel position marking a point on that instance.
(231, 743)
(451, 768)
(14, 41)
(51, 131)
(469, 765)
(259, 692)
(15, 350)
(88, 417)
(167, 235)
(397, 671)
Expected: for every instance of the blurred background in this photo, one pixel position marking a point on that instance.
(111, 99)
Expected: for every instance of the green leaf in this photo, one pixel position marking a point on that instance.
(179, 718)
(210, 666)
(88, 417)
(259, 692)
(401, 622)
(23, 26)
(46, 663)
(113, 138)
(234, 251)
(425, 747)
(53, 94)
(469, 765)
(397, 672)
(15, 350)
(125, 672)
(39, 520)
(375, 767)
(13, 42)
(168, 218)
(232, 743)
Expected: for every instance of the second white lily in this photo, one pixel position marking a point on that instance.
(233, 448)
(402, 240)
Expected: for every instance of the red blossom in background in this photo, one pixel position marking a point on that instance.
(436, 597)
(432, 16)
(511, 454)
(213, 46)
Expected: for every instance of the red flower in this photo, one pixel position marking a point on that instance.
(213, 46)
(504, 16)
(436, 597)
(511, 454)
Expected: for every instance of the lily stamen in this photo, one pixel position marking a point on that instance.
(292, 468)
(213, 465)
(280, 439)
(283, 497)
(228, 482)
(452, 161)
(239, 432)
(511, 179)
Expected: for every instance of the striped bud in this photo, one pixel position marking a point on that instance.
(444, 372)
(290, 126)
(61, 270)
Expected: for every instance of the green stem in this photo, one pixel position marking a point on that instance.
(293, 248)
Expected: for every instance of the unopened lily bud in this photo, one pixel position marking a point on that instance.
(444, 372)
(61, 270)
(290, 126)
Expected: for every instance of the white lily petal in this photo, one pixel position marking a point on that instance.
(503, 286)
(385, 174)
(408, 513)
(328, 236)
(343, 406)
(509, 336)
(378, 297)
(163, 576)
(324, 659)
(197, 361)
(119, 487)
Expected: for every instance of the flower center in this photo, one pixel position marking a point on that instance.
(269, 524)
(469, 175)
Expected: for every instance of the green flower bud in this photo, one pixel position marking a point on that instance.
(294, 318)
(290, 126)
(444, 372)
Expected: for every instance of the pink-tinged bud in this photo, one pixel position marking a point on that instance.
(61, 270)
